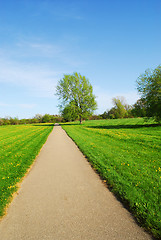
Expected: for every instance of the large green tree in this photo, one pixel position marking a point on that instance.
(77, 91)
(149, 86)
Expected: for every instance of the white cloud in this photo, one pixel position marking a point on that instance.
(22, 105)
(4, 104)
(37, 48)
(38, 79)
(30, 63)
(38, 76)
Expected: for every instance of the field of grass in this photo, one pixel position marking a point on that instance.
(19, 145)
(127, 155)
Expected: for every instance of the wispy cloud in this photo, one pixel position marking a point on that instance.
(38, 79)
(22, 105)
(30, 63)
(37, 48)
(33, 51)
(4, 104)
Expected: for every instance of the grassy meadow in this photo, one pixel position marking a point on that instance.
(19, 146)
(127, 155)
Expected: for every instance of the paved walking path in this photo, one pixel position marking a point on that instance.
(62, 198)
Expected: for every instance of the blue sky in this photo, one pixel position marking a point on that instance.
(110, 42)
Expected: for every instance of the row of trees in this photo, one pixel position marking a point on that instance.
(38, 118)
(122, 110)
(78, 101)
(119, 110)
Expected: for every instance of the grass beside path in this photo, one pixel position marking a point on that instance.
(19, 145)
(127, 155)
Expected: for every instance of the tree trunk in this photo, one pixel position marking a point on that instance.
(80, 119)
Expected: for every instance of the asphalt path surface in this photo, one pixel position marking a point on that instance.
(62, 198)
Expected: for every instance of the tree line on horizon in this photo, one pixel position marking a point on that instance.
(78, 101)
(38, 118)
(119, 110)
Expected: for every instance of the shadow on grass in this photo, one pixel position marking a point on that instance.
(44, 125)
(69, 124)
(125, 126)
(53, 124)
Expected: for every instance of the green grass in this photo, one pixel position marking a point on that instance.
(127, 155)
(19, 145)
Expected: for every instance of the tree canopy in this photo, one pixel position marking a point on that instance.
(77, 92)
(149, 86)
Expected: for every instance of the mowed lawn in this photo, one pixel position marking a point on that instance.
(19, 145)
(127, 155)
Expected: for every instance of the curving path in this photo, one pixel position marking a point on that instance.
(62, 198)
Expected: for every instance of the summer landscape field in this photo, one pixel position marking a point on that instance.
(19, 146)
(127, 155)
(125, 152)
